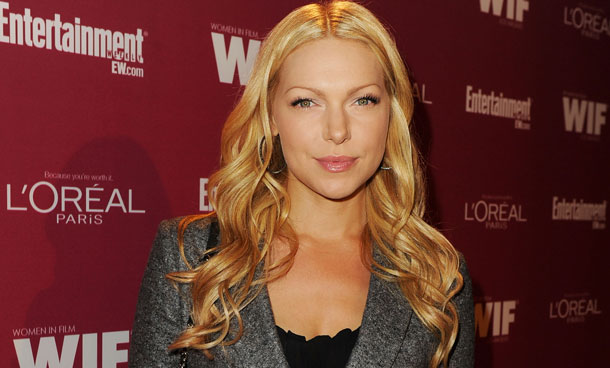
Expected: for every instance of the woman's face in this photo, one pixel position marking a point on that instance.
(331, 110)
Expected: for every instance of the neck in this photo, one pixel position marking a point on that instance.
(333, 223)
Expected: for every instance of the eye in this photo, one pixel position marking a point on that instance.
(367, 100)
(303, 103)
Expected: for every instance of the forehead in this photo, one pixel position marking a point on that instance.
(330, 64)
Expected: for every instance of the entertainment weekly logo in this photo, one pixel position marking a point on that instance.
(590, 21)
(583, 116)
(579, 210)
(493, 318)
(72, 37)
(204, 199)
(574, 308)
(494, 212)
(89, 345)
(237, 55)
(496, 104)
(73, 199)
(510, 12)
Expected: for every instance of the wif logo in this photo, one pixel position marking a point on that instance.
(48, 354)
(236, 56)
(512, 12)
(495, 314)
(584, 116)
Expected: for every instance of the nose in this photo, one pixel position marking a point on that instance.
(337, 127)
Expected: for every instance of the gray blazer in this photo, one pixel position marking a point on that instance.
(391, 335)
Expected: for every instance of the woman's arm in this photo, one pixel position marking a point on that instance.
(161, 312)
(462, 355)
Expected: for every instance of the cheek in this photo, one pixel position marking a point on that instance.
(295, 140)
(381, 131)
(375, 134)
(377, 148)
(297, 132)
(384, 128)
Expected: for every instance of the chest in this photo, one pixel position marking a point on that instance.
(388, 337)
(320, 295)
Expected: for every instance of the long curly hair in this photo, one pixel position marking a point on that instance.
(252, 205)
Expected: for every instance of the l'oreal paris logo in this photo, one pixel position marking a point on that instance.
(71, 204)
(495, 212)
(574, 308)
(589, 20)
(419, 93)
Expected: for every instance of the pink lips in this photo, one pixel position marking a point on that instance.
(336, 164)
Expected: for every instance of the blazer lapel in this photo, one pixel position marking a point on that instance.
(387, 315)
(386, 319)
(260, 344)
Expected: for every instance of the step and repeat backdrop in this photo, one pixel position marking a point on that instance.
(110, 122)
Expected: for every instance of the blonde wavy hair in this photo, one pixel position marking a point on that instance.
(251, 203)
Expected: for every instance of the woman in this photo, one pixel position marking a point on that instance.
(318, 228)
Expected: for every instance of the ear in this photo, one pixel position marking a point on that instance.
(273, 126)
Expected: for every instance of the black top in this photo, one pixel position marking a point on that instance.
(321, 351)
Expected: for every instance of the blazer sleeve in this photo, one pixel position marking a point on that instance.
(162, 310)
(462, 354)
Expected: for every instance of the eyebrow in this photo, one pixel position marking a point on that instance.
(320, 93)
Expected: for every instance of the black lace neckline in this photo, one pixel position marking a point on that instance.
(320, 351)
(343, 333)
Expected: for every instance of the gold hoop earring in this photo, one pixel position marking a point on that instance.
(274, 155)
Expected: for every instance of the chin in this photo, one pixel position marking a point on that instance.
(340, 192)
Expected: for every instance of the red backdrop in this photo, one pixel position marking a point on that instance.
(102, 140)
